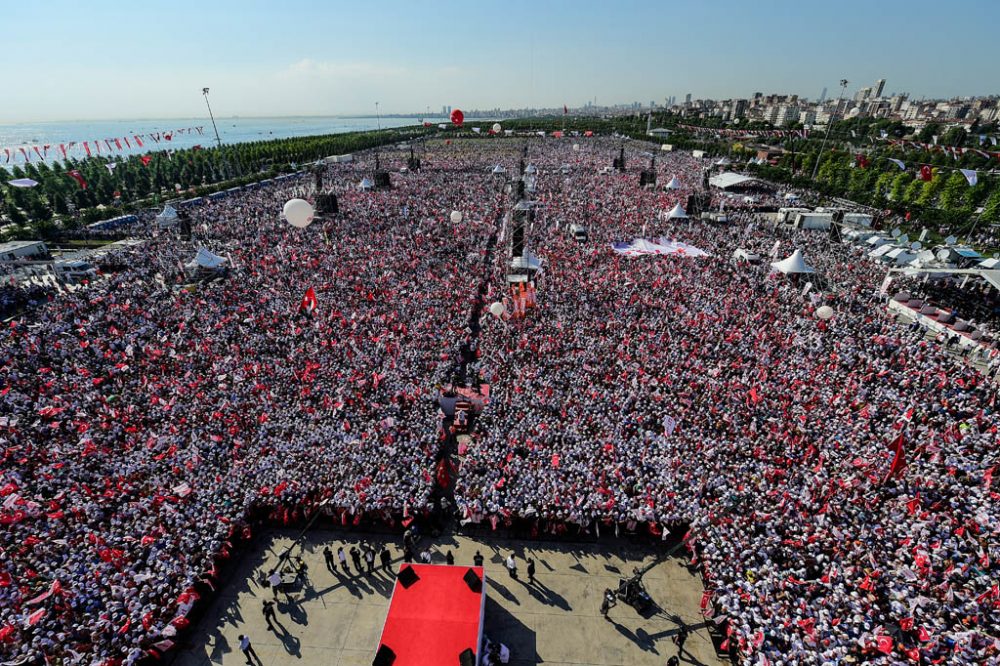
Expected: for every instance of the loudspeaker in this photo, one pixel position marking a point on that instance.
(473, 580)
(318, 180)
(327, 204)
(384, 656)
(517, 244)
(413, 164)
(647, 178)
(467, 658)
(520, 189)
(382, 180)
(407, 577)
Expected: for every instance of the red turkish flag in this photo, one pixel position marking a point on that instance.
(146, 159)
(309, 301)
(926, 173)
(75, 175)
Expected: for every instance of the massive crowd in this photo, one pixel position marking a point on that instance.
(143, 422)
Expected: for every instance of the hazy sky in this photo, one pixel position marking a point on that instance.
(68, 59)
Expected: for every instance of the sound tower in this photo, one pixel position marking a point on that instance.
(647, 177)
(517, 243)
(318, 179)
(520, 189)
(692, 205)
(384, 656)
(382, 181)
(327, 204)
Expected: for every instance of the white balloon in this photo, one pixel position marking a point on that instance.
(497, 310)
(299, 213)
(496, 127)
(576, 146)
(824, 312)
(456, 216)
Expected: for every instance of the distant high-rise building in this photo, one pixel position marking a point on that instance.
(740, 108)
(879, 87)
(822, 95)
(687, 99)
(444, 110)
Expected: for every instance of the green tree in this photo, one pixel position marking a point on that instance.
(991, 209)
(898, 190)
(954, 193)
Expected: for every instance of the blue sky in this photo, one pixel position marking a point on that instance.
(66, 59)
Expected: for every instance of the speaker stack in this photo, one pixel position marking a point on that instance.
(382, 181)
(327, 204)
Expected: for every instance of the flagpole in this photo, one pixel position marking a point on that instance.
(829, 126)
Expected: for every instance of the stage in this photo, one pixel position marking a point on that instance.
(434, 616)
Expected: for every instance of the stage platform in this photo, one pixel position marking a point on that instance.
(436, 617)
(337, 619)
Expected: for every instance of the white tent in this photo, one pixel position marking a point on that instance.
(881, 250)
(528, 261)
(899, 256)
(531, 168)
(989, 263)
(366, 184)
(793, 264)
(498, 169)
(206, 262)
(167, 218)
(677, 213)
(674, 184)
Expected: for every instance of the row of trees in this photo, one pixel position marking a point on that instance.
(120, 184)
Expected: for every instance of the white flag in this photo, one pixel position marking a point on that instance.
(110, 166)
(668, 425)
(971, 176)
(898, 163)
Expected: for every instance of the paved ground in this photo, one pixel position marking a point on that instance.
(336, 620)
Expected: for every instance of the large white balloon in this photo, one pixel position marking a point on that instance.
(497, 310)
(456, 216)
(496, 127)
(299, 213)
(824, 312)
(576, 146)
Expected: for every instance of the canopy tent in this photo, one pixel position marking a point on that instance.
(793, 264)
(728, 180)
(206, 262)
(527, 261)
(167, 218)
(498, 169)
(366, 184)
(989, 263)
(677, 213)
(674, 184)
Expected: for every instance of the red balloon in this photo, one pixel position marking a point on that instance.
(426, 124)
(457, 117)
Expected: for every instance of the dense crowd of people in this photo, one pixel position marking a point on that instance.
(665, 390)
(836, 475)
(142, 420)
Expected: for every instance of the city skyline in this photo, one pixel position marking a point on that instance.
(313, 59)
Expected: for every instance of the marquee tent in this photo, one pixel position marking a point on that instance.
(167, 218)
(677, 213)
(674, 184)
(793, 264)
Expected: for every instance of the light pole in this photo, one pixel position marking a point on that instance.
(204, 91)
(829, 125)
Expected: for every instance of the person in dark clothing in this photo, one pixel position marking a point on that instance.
(331, 564)
(531, 570)
(268, 610)
(477, 559)
(407, 555)
(356, 558)
(449, 558)
(673, 661)
(680, 638)
(607, 602)
(386, 558)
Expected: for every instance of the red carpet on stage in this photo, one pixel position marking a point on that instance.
(438, 617)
